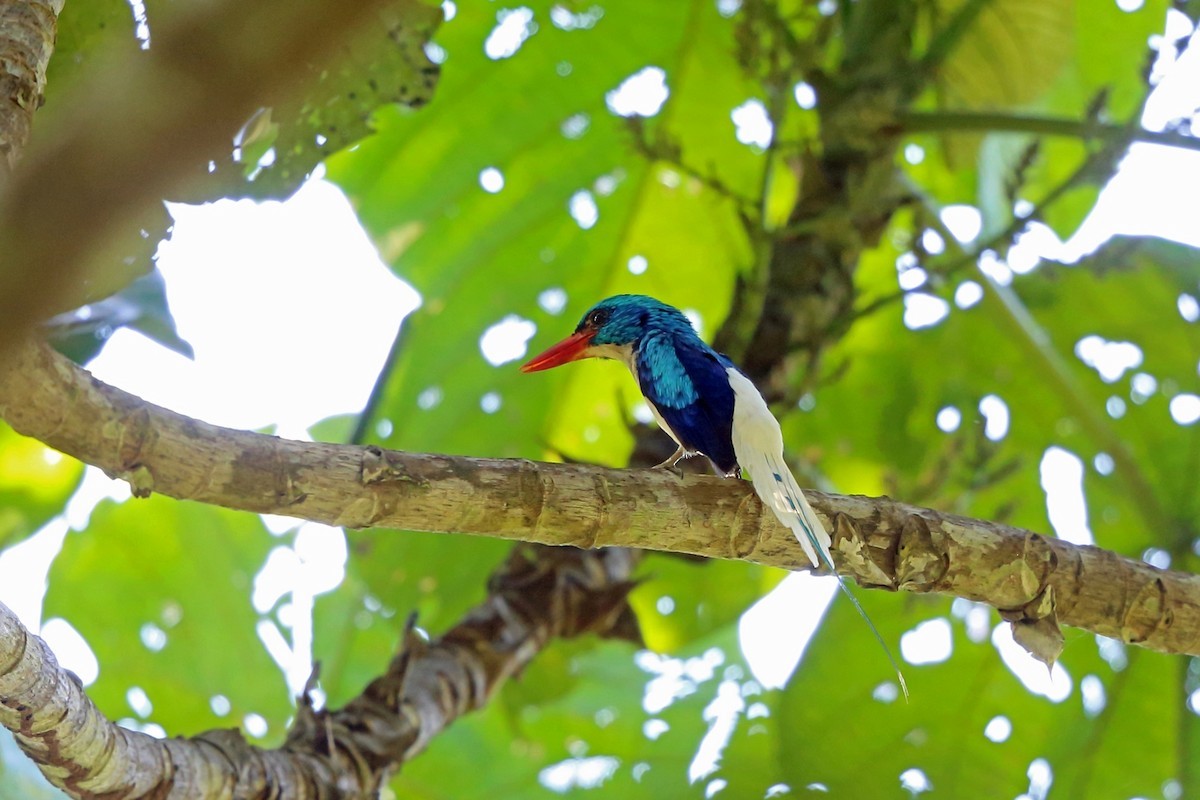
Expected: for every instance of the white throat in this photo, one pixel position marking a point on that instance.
(625, 354)
(622, 353)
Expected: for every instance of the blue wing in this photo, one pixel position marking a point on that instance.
(688, 386)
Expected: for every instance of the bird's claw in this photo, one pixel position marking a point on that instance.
(672, 462)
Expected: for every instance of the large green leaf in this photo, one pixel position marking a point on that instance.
(838, 734)
(1072, 405)
(417, 184)
(1056, 59)
(480, 258)
(1009, 54)
(1129, 292)
(866, 442)
(161, 592)
(587, 740)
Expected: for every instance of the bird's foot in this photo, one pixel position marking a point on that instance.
(671, 462)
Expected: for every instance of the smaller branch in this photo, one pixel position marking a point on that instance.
(990, 122)
(1005, 237)
(739, 330)
(662, 148)
(802, 52)
(1116, 140)
(362, 427)
(536, 595)
(880, 303)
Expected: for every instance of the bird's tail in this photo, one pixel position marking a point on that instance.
(775, 486)
(779, 491)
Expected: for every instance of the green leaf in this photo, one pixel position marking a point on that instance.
(354, 639)
(160, 590)
(452, 259)
(1060, 59)
(682, 601)
(334, 429)
(890, 444)
(480, 259)
(87, 34)
(539, 744)
(941, 731)
(142, 305)
(1009, 55)
(438, 577)
(35, 484)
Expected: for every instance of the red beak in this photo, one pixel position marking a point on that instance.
(572, 348)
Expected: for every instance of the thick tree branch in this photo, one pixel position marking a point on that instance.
(132, 133)
(349, 753)
(1033, 580)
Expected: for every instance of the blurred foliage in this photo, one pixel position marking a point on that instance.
(161, 592)
(19, 776)
(35, 484)
(142, 306)
(520, 196)
(277, 147)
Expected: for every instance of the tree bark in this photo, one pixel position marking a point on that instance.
(535, 596)
(27, 33)
(1034, 581)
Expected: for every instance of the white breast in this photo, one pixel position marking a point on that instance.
(755, 429)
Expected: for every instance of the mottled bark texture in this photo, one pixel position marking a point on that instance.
(1033, 580)
(349, 753)
(27, 32)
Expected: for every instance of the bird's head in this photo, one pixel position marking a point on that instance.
(610, 327)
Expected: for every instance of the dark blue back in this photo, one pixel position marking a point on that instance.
(686, 381)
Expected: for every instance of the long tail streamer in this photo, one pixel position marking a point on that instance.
(779, 490)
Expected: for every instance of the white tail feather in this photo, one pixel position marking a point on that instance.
(758, 445)
(774, 483)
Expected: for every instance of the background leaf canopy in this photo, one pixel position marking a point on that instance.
(532, 186)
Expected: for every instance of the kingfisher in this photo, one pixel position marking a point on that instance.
(705, 404)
